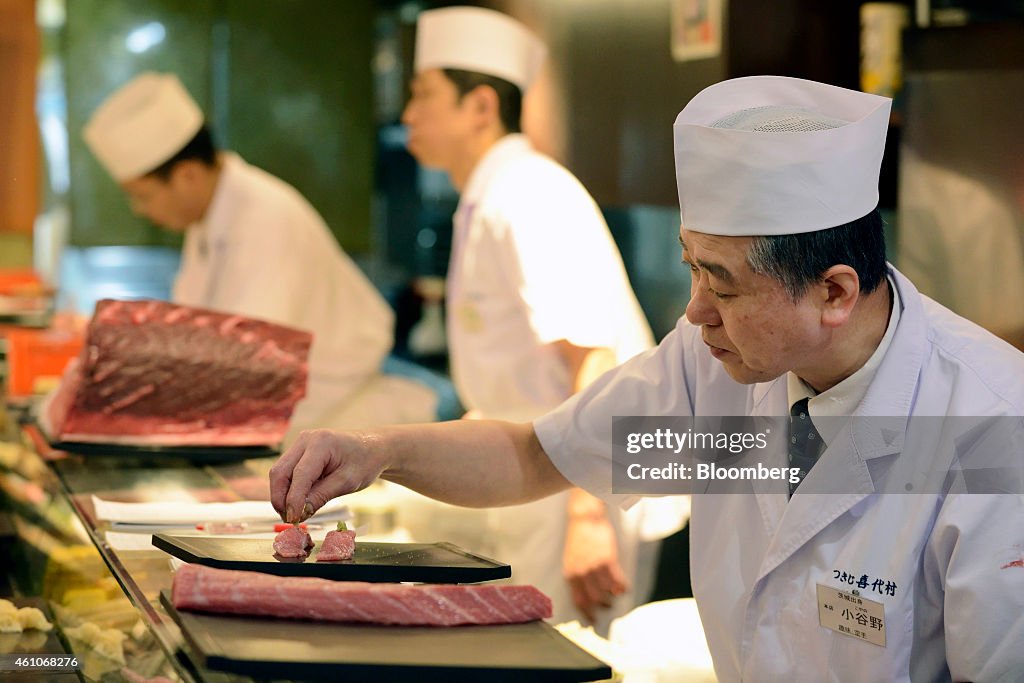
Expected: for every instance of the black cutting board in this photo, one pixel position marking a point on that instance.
(380, 562)
(306, 650)
(200, 454)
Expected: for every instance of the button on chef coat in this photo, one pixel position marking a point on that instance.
(263, 251)
(955, 607)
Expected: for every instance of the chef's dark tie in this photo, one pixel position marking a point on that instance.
(805, 444)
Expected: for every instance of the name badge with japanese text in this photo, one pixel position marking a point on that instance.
(851, 615)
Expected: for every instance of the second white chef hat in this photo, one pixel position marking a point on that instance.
(480, 40)
(143, 124)
(770, 155)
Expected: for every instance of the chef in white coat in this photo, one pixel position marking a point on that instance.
(538, 301)
(793, 306)
(253, 246)
(961, 240)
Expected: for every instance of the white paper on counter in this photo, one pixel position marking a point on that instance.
(181, 513)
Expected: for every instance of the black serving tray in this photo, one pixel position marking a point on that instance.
(306, 650)
(377, 562)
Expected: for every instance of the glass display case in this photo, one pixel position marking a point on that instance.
(98, 586)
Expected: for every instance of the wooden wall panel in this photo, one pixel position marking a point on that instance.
(19, 140)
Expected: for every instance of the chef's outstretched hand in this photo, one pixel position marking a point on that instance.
(321, 465)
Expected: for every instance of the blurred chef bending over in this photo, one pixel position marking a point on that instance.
(254, 246)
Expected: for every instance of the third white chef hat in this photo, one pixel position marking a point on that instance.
(480, 40)
(143, 124)
(770, 155)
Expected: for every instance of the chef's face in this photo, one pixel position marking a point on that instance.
(749, 321)
(172, 203)
(439, 121)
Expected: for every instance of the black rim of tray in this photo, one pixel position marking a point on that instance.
(486, 569)
(206, 454)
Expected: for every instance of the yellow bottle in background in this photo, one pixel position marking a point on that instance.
(881, 64)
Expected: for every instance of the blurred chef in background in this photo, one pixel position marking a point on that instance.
(254, 246)
(538, 301)
(961, 241)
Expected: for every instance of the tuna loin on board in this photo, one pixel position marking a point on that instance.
(226, 591)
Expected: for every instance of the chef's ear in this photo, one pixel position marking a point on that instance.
(485, 100)
(838, 291)
(187, 171)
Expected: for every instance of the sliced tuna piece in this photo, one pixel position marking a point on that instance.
(293, 542)
(337, 545)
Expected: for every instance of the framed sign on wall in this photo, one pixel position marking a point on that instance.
(696, 29)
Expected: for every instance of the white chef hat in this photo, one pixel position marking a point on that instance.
(480, 40)
(143, 124)
(769, 155)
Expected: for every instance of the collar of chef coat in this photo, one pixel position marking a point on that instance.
(509, 147)
(216, 220)
(842, 399)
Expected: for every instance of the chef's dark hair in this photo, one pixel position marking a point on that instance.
(798, 261)
(510, 97)
(199, 148)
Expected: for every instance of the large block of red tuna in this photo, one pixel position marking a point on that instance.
(226, 591)
(157, 373)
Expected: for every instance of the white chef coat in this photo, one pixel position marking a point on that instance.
(262, 250)
(956, 611)
(962, 244)
(532, 263)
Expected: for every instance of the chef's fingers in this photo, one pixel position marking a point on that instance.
(318, 459)
(598, 587)
(594, 590)
(281, 474)
(327, 489)
(607, 579)
(614, 578)
(579, 598)
(351, 468)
